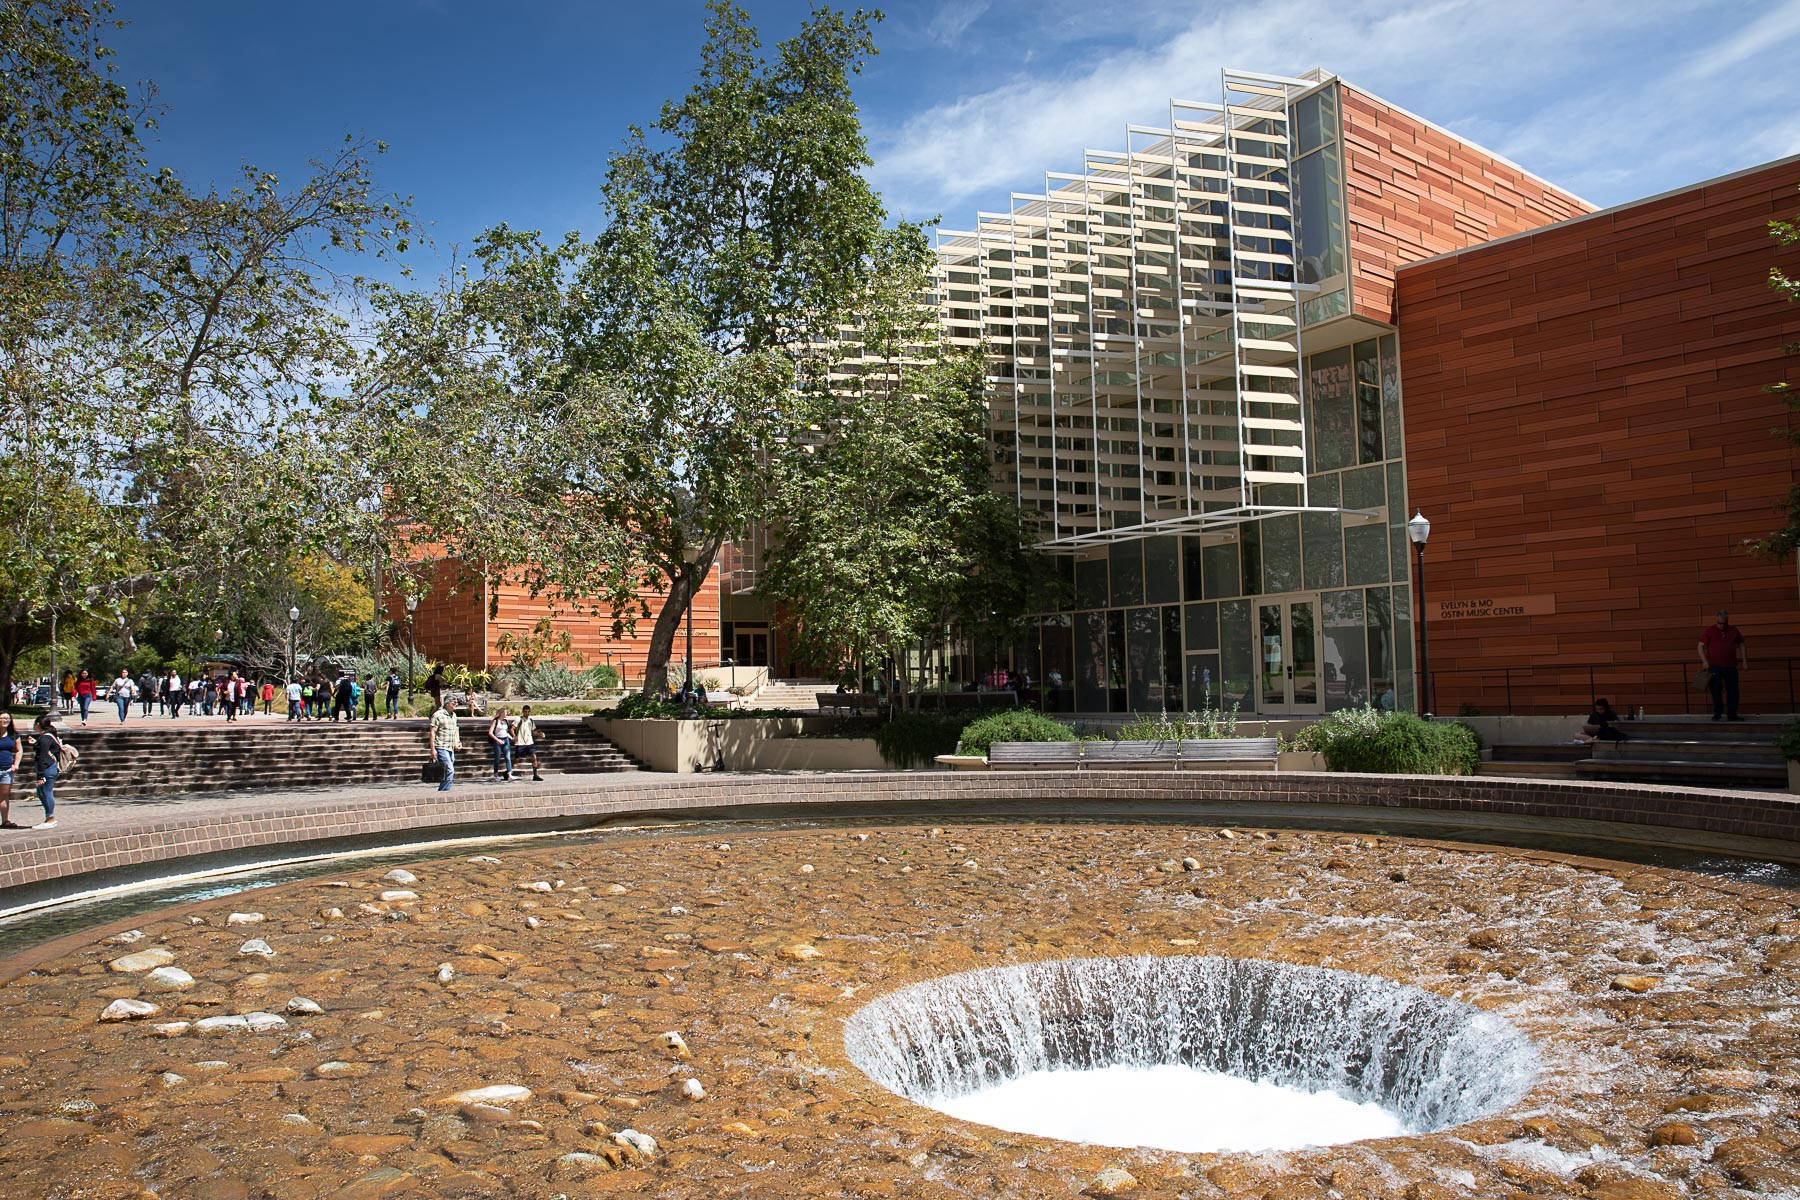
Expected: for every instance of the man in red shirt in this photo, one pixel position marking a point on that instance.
(1722, 654)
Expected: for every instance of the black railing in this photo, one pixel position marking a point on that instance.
(1662, 688)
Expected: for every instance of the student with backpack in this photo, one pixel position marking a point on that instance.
(54, 758)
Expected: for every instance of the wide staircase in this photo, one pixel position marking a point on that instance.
(800, 694)
(142, 759)
(1685, 751)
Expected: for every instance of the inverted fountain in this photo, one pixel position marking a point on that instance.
(1190, 1053)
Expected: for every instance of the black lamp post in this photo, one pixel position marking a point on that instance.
(1419, 529)
(688, 711)
(412, 645)
(293, 620)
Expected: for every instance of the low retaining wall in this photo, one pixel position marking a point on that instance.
(97, 839)
(739, 744)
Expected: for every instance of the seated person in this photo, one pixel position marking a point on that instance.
(1600, 722)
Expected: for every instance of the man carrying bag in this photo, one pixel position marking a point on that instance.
(445, 739)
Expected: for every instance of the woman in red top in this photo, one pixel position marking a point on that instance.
(85, 691)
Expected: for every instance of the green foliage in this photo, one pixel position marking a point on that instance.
(553, 681)
(1180, 727)
(1016, 725)
(1789, 742)
(1371, 741)
(639, 707)
(915, 739)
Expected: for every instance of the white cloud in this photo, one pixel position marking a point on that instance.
(954, 18)
(1610, 98)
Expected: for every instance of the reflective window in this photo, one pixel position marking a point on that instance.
(1403, 649)
(1203, 681)
(1193, 571)
(1171, 665)
(1366, 554)
(1144, 659)
(1090, 583)
(1222, 579)
(1368, 404)
(1381, 648)
(1202, 627)
(1390, 396)
(1090, 661)
(1162, 570)
(1323, 489)
(1328, 387)
(1127, 562)
(1250, 556)
(1237, 655)
(1319, 203)
(1365, 488)
(1059, 663)
(1346, 651)
(1281, 554)
(1115, 661)
(1322, 547)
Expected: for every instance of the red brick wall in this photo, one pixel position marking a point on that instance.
(1586, 420)
(1412, 191)
(453, 625)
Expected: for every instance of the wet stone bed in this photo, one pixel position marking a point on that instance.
(667, 1018)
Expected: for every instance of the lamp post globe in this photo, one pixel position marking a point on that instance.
(1419, 530)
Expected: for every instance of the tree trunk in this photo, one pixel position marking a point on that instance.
(668, 624)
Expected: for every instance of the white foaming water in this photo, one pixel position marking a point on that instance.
(1171, 1107)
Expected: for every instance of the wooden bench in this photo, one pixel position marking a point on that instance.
(1139, 755)
(1231, 754)
(846, 704)
(1228, 754)
(1035, 755)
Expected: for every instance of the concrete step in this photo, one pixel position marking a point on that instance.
(1702, 729)
(1529, 770)
(1697, 773)
(1661, 750)
(1559, 752)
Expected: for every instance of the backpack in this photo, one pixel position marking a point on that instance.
(66, 757)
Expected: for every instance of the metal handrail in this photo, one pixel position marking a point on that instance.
(1658, 685)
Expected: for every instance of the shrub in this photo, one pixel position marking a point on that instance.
(1193, 726)
(1373, 742)
(1789, 742)
(1019, 725)
(914, 739)
(639, 707)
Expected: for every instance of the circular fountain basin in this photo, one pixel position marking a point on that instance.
(1195, 1054)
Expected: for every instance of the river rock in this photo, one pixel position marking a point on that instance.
(255, 1022)
(403, 877)
(171, 1079)
(445, 973)
(304, 1007)
(245, 918)
(128, 1010)
(802, 952)
(168, 979)
(171, 1029)
(142, 960)
(535, 885)
(77, 1109)
(341, 1070)
(692, 1090)
(492, 1093)
(1114, 1181)
(126, 938)
(641, 1143)
(398, 896)
(1675, 1133)
(256, 948)
(1634, 983)
(674, 1045)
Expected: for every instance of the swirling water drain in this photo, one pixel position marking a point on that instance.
(1190, 1053)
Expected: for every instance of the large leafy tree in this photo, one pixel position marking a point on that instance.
(162, 352)
(887, 529)
(739, 228)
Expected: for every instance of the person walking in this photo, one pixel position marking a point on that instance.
(68, 691)
(85, 691)
(12, 753)
(445, 739)
(295, 698)
(146, 691)
(120, 691)
(1723, 655)
(525, 742)
(434, 684)
(393, 695)
(368, 697)
(344, 699)
(268, 697)
(500, 734)
(47, 749)
(171, 694)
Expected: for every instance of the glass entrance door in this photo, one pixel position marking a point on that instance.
(1287, 633)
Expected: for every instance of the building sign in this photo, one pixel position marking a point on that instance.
(1487, 606)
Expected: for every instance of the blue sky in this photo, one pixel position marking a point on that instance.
(506, 112)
